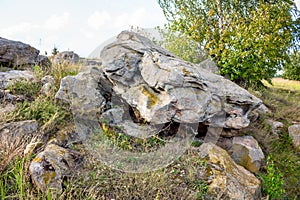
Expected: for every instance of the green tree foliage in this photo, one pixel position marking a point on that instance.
(292, 70)
(248, 39)
(182, 46)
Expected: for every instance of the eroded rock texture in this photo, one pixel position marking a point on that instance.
(156, 87)
(14, 53)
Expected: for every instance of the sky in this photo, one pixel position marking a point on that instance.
(75, 25)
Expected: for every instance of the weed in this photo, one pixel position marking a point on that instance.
(273, 180)
(29, 89)
(42, 109)
(131, 143)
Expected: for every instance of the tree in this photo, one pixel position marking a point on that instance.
(181, 45)
(55, 51)
(292, 70)
(248, 39)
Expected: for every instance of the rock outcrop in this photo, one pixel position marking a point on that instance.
(226, 179)
(17, 54)
(158, 86)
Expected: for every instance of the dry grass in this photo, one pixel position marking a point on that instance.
(283, 98)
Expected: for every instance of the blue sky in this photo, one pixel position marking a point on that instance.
(77, 25)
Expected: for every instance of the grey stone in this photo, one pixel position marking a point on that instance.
(19, 129)
(275, 126)
(82, 93)
(9, 78)
(160, 86)
(294, 132)
(15, 54)
(44, 62)
(48, 85)
(49, 167)
(226, 179)
(245, 151)
(66, 57)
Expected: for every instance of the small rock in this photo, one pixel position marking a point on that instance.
(89, 62)
(48, 85)
(294, 132)
(275, 126)
(44, 62)
(5, 109)
(11, 77)
(245, 151)
(227, 180)
(49, 167)
(66, 57)
(19, 129)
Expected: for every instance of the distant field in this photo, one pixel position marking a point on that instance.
(281, 83)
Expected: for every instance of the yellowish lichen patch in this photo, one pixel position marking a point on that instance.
(185, 71)
(37, 159)
(49, 176)
(152, 98)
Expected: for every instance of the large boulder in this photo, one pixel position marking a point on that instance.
(15, 54)
(162, 87)
(157, 86)
(226, 179)
(294, 132)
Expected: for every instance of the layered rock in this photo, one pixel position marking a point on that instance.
(158, 86)
(226, 179)
(15, 54)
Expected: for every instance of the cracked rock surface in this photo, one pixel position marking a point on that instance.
(154, 86)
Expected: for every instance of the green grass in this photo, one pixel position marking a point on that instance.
(282, 98)
(29, 90)
(184, 178)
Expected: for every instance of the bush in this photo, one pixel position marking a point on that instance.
(292, 70)
(273, 180)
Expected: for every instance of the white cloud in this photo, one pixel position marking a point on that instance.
(298, 4)
(55, 22)
(87, 34)
(99, 19)
(140, 17)
(23, 27)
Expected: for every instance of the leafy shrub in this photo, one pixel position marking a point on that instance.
(273, 180)
(292, 70)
